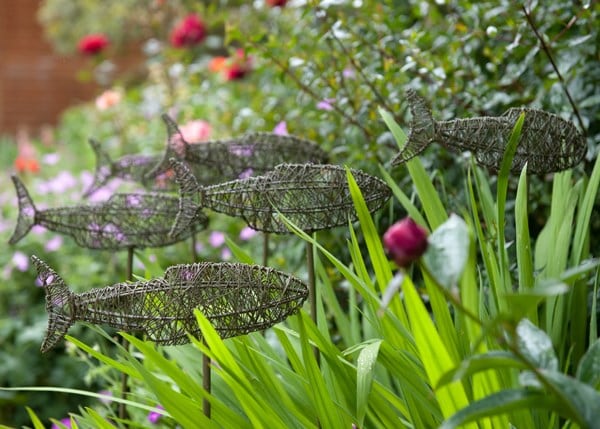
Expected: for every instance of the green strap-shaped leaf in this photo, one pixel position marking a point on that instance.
(492, 360)
(365, 365)
(505, 401)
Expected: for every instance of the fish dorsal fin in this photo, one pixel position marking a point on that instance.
(27, 211)
(422, 128)
(104, 168)
(177, 147)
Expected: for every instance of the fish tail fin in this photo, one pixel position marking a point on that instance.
(177, 147)
(103, 168)
(27, 211)
(59, 304)
(422, 128)
(188, 188)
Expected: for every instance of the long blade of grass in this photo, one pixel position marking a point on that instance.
(524, 257)
(364, 378)
(434, 209)
(501, 191)
(433, 353)
(37, 423)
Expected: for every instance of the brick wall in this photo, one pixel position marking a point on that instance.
(36, 84)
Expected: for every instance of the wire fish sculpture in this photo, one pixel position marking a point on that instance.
(236, 298)
(547, 143)
(123, 221)
(133, 168)
(252, 154)
(313, 197)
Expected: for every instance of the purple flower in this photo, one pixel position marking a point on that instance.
(326, 104)
(114, 231)
(216, 239)
(53, 244)
(61, 183)
(133, 200)
(246, 173)
(20, 261)
(66, 422)
(226, 254)
(100, 195)
(154, 416)
(38, 229)
(106, 396)
(86, 178)
(348, 73)
(281, 129)
(51, 158)
(244, 151)
(247, 233)
(405, 241)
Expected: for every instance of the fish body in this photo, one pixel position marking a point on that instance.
(252, 154)
(123, 221)
(236, 298)
(547, 143)
(311, 196)
(133, 168)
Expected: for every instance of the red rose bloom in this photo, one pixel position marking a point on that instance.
(188, 32)
(92, 44)
(405, 241)
(276, 3)
(237, 66)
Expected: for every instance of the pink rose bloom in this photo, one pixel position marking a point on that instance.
(108, 99)
(196, 131)
(405, 241)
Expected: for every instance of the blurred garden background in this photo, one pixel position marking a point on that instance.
(323, 71)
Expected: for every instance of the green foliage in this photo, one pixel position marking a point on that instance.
(491, 328)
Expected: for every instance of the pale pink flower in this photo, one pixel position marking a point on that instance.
(196, 131)
(53, 244)
(226, 254)
(281, 129)
(20, 261)
(216, 239)
(108, 99)
(247, 233)
(326, 104)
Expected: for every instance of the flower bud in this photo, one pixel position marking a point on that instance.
(405, 241)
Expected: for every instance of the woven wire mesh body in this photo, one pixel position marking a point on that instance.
(313, 197)
(133, 168)
(236, 298)
(252, 154)
(123, 221)
(547, 143)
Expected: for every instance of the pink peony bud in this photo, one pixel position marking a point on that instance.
(405, 241)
